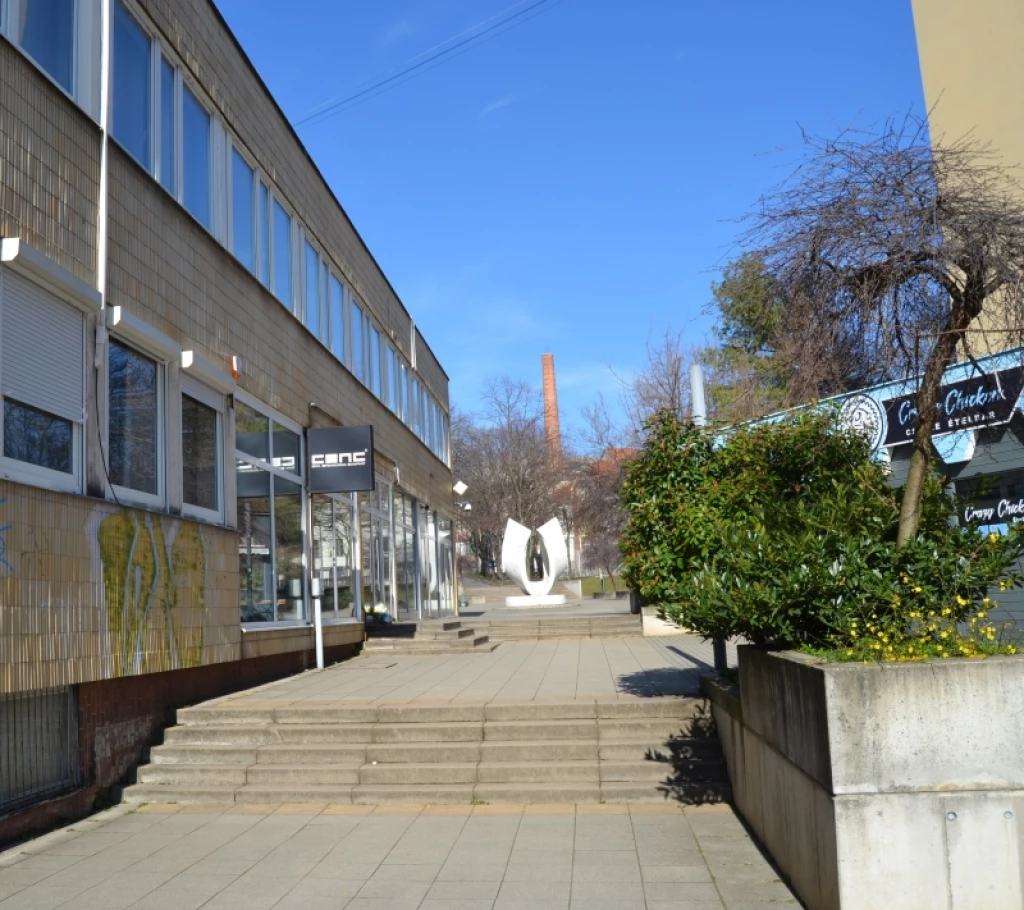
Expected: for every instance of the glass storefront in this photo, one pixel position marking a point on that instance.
(379, 549)
(333, 557)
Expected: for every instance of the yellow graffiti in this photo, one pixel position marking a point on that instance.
(154, 592)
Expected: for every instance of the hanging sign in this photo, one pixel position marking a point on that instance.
(992, 499)
(982, 401)
(340, 459)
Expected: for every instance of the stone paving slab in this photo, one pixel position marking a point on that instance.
(621, 668)
(313, 856)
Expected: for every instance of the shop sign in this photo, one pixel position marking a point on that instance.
(982, 401)
(992, 499)
(340, 459)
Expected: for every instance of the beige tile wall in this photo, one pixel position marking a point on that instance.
(92, 591)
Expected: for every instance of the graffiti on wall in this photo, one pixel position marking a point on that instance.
(154, 581)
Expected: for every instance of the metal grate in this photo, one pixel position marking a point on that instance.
(38, 746)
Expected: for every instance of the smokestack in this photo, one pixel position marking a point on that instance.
(552, 433)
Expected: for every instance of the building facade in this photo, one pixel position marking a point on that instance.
(182, 298)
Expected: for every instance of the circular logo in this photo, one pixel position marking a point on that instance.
(865, 415)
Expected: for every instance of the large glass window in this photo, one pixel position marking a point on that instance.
(282, 255)
(332, 554)
(270, 518)
(358, 355)
(132, 68)
(389, 376)
(263, 213)
(134, 431)
(337, 294)
(373, 374)
(168, 130)
(38, 438)
(196, 136)
(242, 211)
(312, 290)
(47, 35)
(200, 454)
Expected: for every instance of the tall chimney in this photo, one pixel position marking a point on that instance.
(552, 433)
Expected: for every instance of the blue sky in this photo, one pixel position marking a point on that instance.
(571, 185)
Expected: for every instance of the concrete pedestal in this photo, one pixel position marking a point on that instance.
(526, 601)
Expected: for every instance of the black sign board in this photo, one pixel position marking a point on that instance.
(983, 401)
(340, 459)
(992, 499)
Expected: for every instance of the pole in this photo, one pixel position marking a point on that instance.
(700, 419)
(318, 625)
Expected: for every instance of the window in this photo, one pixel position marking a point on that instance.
(358, 358)
(168, 129)
(37, 438)
(416, 409)
(402, 391)
(391, 373)
(337, 294)
(263, 216)
(45, 30)
(270, 518)
(196, 162)
(42, 382)
(132, 68)
(282, 255)
(242, 211)
(312, 290)
(135, 430)
(374, 371)
(202, 412)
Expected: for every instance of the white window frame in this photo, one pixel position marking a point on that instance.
(216, 191)
(132, 332)
(155, 55)
(85, 51)
(43, 272)
(342, 355)
(215, 400)
(234, 148)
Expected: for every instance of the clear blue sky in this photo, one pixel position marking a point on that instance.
(570, 186)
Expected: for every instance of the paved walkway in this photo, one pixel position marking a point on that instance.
(616, 667)
(640, 857)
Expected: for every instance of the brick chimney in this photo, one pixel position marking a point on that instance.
(552, 433)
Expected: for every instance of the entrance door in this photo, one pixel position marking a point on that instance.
(378, 560)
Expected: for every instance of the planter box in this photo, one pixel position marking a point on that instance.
(893, 786)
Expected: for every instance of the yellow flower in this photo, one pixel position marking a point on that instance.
(993, 536)
(981, 614)
(944, 635)
(963, 601)
(947, 611)
(917, 589)
(986, 601)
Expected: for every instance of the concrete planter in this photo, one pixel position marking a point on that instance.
(883, 786)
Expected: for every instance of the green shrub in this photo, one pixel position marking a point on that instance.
(786, 534)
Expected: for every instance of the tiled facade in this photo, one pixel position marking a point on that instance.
(92, 589)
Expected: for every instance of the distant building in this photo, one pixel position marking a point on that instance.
(182, 299)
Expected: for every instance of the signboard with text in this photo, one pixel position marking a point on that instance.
(992, 499)
(982, 401)
(340, 459)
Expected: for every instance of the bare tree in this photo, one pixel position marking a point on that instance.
(500, 453)
(890, 249)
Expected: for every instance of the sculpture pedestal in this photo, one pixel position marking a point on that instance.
(527, 600)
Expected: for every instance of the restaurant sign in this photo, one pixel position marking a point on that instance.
(992, 499)
(982, 401)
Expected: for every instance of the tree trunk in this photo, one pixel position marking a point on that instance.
(927, 407)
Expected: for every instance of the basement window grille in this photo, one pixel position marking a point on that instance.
(38, 746)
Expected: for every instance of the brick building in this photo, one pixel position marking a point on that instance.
(181, 299)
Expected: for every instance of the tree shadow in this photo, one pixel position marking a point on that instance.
(694, 766)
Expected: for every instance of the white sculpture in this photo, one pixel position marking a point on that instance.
(515, 562)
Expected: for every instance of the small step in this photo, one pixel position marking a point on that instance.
(269, 794)
(301, 775)
(351, 755)
(174, 793)
(549, 772)
(202, 755)
(502, 731)
(417, 794)
(466, 731)
(551, 750)
(191, 775)
(531, 794)
(423, 753)
(407, 773)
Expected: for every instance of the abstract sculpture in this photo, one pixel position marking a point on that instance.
(515, 562)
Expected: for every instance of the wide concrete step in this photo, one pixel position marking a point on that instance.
(301, 775)
(512, 772)
(192, 775)
(202, 755)
(351, 754)
(228, 714)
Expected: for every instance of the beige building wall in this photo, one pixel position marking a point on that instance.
(973, 70)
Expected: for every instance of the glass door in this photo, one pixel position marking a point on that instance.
(378, 557)
(333, 561)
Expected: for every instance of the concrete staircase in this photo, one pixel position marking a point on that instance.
(436, 636)
(537, 628)
(583, 751)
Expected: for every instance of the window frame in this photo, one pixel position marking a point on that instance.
(36, 475)
(153, 128)
(9, 27)
(233, 149)
(193, 388)
(155, 501)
